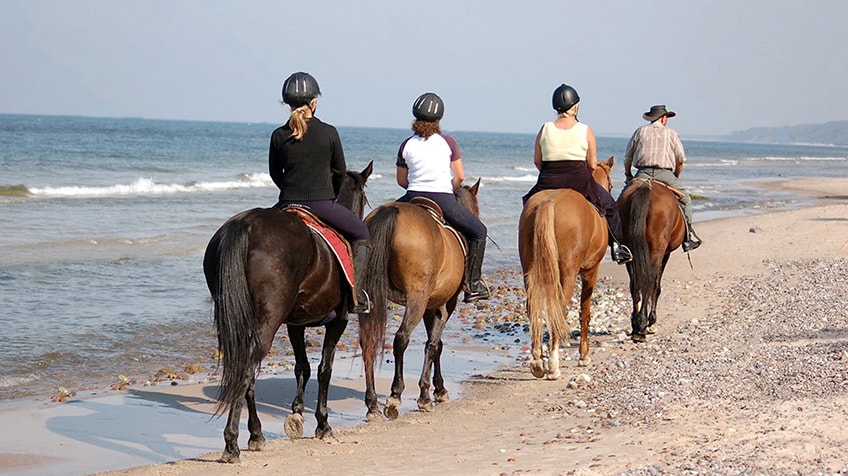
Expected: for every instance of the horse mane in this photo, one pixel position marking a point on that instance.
(466, 195)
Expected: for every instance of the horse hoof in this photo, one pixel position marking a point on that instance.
(228, 457)
(442, 397)
(374, 416)
(322, 434)
(554, 375)
(294, 426)
(392, 409)
(584, 362)
(256, 444)
(537, 368)
(650, 330)
(638, 338)
(425, 405)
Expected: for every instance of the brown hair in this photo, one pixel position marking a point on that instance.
(426, 128)
(299, 119)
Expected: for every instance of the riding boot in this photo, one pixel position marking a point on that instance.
(475, 288)
(361, 301)
(691, 241)
(618, 252)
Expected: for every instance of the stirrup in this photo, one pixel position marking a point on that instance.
(623, 256)
(691, 245)
(362, 307)
(479, 295)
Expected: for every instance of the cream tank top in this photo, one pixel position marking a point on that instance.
(564, 144)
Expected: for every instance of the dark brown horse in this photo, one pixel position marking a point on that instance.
(653, 227)
(560, 236)
(265, 268)
(419, 263)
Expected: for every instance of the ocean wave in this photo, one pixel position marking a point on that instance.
(506, 178)
(146, 186)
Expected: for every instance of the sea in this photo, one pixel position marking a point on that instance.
(103, 225)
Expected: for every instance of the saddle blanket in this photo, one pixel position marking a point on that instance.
(337, 243)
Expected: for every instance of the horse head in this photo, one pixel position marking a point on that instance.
(352, 192)
(602, 173)
(467, 196)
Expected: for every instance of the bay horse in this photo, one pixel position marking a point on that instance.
(419, 263)
(264, 268)
(654, 226)
(561, 235)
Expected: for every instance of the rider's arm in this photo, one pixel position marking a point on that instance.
(591, 151)
(403, 177)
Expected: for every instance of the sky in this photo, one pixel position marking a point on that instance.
(722, 65)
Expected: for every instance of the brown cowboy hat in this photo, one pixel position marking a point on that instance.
(657, 112)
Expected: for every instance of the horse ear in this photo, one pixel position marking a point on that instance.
(366, 172)
(611, 161)
(475, 187)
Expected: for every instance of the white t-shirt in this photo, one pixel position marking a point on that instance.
(429, 162)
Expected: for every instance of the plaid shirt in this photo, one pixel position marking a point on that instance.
(655, 145)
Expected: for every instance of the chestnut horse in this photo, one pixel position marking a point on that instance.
(560, 236)
(417, 262)
(653, 227)
(265, 268)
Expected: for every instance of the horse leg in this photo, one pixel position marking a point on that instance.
(440, 393)
(257, 439)
(552, 371)
(590, 278)
(373, 412)
(434, 322)
(537, 365)
(415, 307)
(231, 452)
(334, 330)
(293, 425)
(652, 317)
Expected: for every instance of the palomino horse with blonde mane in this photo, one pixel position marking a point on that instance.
(653, 227)
(560, 236)
(418, 262)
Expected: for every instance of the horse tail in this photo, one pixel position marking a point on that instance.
(235, 315)
(644, 283)
(372, 326)
(544, 286)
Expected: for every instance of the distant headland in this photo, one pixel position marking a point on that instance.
(833, 133)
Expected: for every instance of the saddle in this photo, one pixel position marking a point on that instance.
(436, 213)
(673, 190)
(340, 247)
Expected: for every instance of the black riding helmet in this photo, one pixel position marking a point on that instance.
(565, 97)
(428, 107)
(299, 89)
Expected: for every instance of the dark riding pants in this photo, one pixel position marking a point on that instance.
(457, 215)
(335, 215)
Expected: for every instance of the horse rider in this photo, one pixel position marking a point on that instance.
(429, 164)
(657, 153)
(307, 162)
(565, 157)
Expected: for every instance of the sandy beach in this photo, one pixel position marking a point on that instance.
(747, 374)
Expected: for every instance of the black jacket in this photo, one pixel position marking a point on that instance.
(312, 168)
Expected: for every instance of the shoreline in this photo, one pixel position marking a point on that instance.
(120, 423)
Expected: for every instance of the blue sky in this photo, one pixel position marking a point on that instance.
(721, 65)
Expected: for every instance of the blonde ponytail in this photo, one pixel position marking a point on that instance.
(299, 119)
